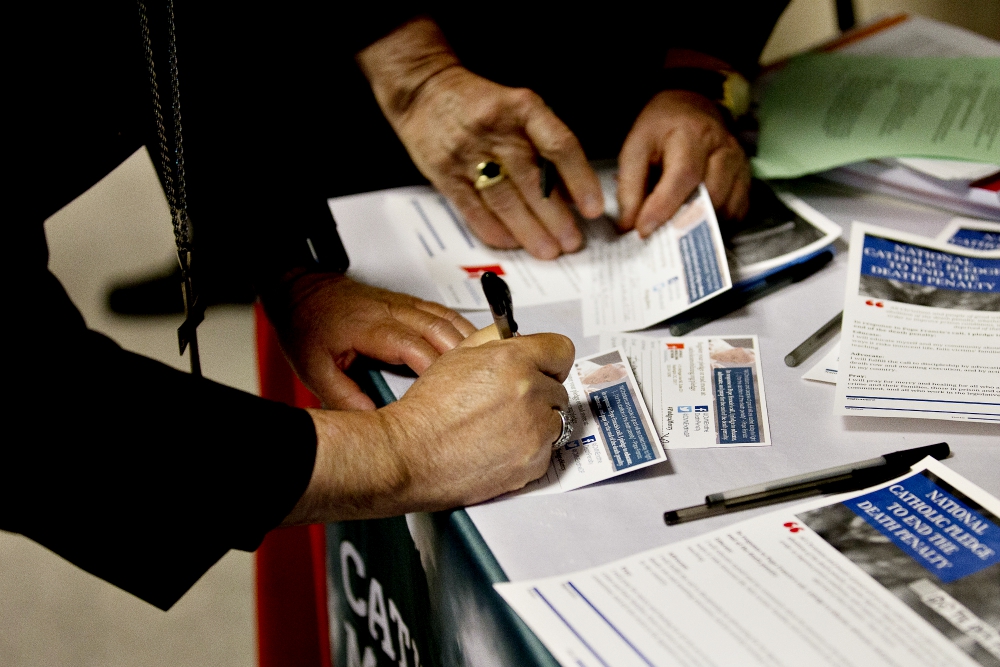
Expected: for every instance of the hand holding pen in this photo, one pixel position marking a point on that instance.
(502, 307)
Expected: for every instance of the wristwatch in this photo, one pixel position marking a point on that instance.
(728, 89)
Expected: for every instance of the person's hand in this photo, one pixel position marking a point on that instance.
(685, 133)
(330, 319)
(479, 422)
(451, 120)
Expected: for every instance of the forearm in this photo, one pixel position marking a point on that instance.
(357, 474)
(401, 63)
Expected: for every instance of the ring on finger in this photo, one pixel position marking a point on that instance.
(566, 432)
(488, 173)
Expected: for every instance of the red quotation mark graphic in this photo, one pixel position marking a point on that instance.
(877, 304)
(792, 527)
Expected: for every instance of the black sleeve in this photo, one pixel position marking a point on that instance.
(140, 474)
(734, 31)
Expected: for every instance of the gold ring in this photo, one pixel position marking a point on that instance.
(488, 173)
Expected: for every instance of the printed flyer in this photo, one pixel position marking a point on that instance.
(964, 232)
(702, 391)
(972, 233)
(612, 431)
(906, 573)
(921, 331)
(635, 283)
(625, 282)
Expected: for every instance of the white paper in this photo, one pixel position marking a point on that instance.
(635, 283)
(858, 580)
(439, 238)
(918, 36)
(826, 369)
(971, 233)
(625, 282)
(612, 431)
(691, 385)
(949, 170)
(921, 331)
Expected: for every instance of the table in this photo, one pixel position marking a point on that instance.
(463, 552)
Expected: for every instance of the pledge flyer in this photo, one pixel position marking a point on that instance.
(612, 431)
(701, 391)
(921, 331)
(902, 574)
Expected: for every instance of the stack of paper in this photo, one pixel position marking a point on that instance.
(908, 107)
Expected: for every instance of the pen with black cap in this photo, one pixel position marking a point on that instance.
(498, 296)
(850, 477)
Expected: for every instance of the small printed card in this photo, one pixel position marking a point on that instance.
(612, 431)
(702, 391)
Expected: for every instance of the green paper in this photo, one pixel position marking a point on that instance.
(827, 110)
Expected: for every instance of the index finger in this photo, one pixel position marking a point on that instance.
(684, 164)
(556, 142)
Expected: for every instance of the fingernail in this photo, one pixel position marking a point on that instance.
(592, 206)
(571, 241)
(547, 249)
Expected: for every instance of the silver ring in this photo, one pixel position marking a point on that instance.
(567, 430)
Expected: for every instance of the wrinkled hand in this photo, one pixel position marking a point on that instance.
(332, 319)
(460, 119)
(451, 120)
(486, 416)
(686, 134)
(478, 423)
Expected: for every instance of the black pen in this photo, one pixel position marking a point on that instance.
(735, 299)
(838, 479)
(498, 296)
(811, 344)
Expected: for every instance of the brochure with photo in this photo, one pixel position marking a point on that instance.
(702, 391)
(921, 331)
(612, 431)
(779, 230)
(972, 233)
(903, 573)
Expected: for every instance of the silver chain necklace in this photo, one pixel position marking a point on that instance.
(176, 190)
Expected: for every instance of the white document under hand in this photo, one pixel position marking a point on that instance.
(612, 431)
(906, 573)
(625, 282)
(701, 391)
(921, 332)
(435, 234)
(636, 283)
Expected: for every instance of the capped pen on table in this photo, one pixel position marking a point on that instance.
(815, 341)
(501, 306)
(838, 479)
